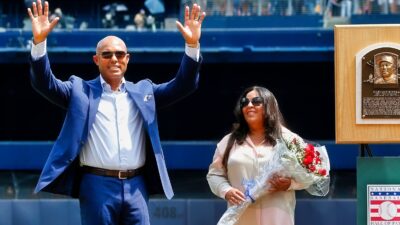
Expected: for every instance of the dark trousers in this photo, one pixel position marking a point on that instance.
(111, 201)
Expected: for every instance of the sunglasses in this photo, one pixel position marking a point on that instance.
(256, 101)
(109, 55)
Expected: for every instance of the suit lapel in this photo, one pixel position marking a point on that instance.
(94, 100)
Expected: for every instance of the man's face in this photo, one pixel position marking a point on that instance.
(112, 59)
(386, 69)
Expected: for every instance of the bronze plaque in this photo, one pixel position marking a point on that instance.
(380, 95)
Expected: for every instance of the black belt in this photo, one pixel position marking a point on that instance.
(120, 174)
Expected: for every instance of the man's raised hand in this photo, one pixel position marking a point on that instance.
(191, 30)
(41, 26)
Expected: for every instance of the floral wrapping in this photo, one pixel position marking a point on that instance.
(304, 163)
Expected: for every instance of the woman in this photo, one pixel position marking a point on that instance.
(240, 156)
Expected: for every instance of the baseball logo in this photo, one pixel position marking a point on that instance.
(387, 210)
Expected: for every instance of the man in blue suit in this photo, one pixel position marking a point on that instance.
(108, 153)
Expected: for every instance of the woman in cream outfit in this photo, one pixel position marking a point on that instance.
(240, 156)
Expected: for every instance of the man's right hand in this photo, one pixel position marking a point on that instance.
(41, 26)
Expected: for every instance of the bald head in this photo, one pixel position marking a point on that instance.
(110, 41)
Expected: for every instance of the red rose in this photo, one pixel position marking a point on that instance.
(309, 154)
(322, 172)
(307, 160)
(309, 148)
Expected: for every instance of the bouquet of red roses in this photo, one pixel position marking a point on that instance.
(306, 164)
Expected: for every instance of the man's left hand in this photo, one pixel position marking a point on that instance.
(191, 31)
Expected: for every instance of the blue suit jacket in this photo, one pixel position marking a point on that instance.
(81, 98)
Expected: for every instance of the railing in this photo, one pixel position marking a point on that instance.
(217, 45)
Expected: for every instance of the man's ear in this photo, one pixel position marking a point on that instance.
(96, 59)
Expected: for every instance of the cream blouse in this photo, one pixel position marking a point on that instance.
(244, 163)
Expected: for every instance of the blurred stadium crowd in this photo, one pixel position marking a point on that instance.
(159, 14)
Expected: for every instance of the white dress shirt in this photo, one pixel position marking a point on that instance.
(117, 137)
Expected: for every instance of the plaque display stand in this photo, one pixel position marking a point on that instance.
(365, 149)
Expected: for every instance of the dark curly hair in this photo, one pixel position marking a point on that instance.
(273, 121)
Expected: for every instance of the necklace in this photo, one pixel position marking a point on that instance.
(257, 139)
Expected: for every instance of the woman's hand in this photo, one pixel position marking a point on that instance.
(234, 196)
(279, 183)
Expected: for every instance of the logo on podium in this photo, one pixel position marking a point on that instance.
(383, 204)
